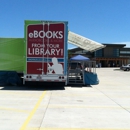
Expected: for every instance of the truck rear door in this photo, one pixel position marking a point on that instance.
(46, 48)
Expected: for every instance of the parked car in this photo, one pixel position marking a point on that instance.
(75, 65)
(75, 69)
(125, 67)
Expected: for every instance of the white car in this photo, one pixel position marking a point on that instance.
(126, 67)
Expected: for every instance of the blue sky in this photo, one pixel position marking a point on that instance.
(104, 21)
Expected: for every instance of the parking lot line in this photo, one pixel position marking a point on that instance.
(74, 129)
(85, 106)
(13, 109)
(33, 111)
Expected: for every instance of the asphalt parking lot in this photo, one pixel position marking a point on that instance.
(105, 106)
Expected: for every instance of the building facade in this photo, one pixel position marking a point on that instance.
(113, 55)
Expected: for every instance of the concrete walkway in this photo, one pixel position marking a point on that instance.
(100, 107)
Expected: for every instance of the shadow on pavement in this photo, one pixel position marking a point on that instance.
(39, 87)
(34, 87)
(117, 69)
(78, 85)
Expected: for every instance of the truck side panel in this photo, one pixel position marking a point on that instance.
(11, 54)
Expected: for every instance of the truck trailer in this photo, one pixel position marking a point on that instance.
(42, 55)
(45, 50)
